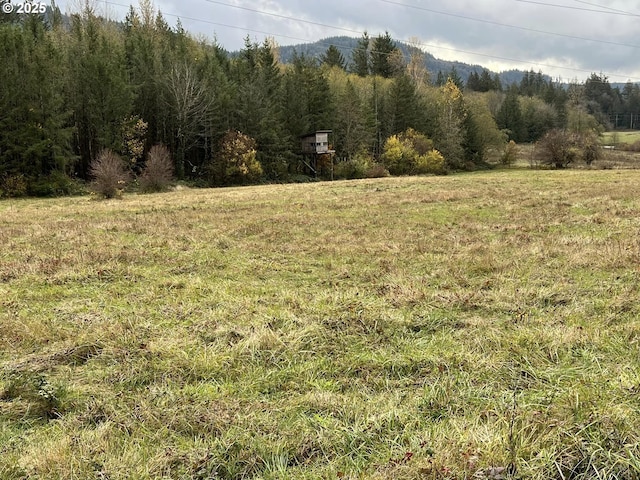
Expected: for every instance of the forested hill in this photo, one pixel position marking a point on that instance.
(346, 45)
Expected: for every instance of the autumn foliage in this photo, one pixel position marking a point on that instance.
(411, 153)
(236, 161)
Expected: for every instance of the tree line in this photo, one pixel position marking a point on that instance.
(73, 89)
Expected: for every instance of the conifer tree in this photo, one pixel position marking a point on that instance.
(360, 57)
(509, 116)
(97, 89)
(382, 53)
(404, 104)
(34, 125)
(333, 58)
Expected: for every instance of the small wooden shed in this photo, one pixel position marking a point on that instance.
(316, 142)
(313, 145)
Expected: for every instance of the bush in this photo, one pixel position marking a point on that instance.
(412, 153)
(560, 148)
(55, 185)
(430, 162)
(356, 167)
(13, 186)
(236, 162)
(110, 176)
(377, 170)
(157, 173)
(396, 156)
(629, 147)
(347, 170)
(510, 154)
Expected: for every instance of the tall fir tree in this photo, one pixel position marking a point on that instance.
(35, 128)
(97, 90)
(509, 116)
(333, 58)
(404, 104)
(360, 63)
(382, 56)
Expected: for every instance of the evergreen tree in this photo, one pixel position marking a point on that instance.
(509, 116)
(485, 82)
(454, 76)
(538, 118)
(497, 84)
(404, 105)
(308, 100)
(8, 18)
(602, 100)
(630, 107)
(260, 108)
(333, 58)
(34, 125)
(473, 82)
(360, 57)
(214, 68)
(97, 89)
(382, 53)
(142, 45)
(34, 132)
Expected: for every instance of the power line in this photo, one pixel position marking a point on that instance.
(490, 22)
(439, 12)
(608, 12)
(262, 12)
(603, 6)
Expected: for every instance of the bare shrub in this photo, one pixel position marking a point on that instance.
(510, 154)
(560, 148)
(629, 147)
(555, 149)
(110, 176)
(157, 174)
(377, 170)
(590, 146)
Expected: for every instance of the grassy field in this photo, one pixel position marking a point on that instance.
(611, 138)
(471, 326)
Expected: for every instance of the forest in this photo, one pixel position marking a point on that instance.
(76, 87)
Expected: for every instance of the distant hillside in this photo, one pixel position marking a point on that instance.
(434, 65)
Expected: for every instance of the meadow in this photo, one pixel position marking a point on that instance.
(481, 325)
(621, 137)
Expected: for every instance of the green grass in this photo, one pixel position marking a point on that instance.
(630, 137)
(469, 326)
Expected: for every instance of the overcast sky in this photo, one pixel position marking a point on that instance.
(566, 39)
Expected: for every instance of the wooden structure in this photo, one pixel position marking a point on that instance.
(313, 145)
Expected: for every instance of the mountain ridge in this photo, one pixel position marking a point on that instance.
(346, 45)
